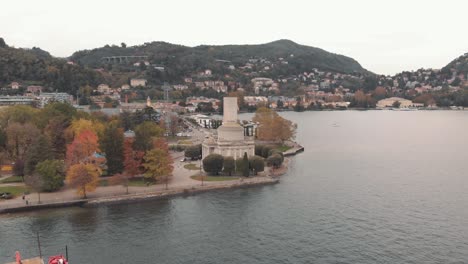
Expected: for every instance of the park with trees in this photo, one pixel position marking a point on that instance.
(59, 146)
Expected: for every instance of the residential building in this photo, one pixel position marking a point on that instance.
(138, 82)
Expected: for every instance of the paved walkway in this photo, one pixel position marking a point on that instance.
(181, 180)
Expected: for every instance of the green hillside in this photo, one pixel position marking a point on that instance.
(183, 60)
(36, 66)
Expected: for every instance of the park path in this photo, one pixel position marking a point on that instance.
(180, 180)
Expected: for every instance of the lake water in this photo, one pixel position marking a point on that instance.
(371, 187)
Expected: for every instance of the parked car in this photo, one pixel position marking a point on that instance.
(6, 195)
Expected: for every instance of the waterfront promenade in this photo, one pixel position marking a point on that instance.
(180, 183)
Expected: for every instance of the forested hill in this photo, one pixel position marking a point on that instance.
(458, 65)
(184, 60)
(36, 66)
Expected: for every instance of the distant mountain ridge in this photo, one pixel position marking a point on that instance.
(300, 58)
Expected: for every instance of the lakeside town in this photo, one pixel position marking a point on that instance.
(60, 156)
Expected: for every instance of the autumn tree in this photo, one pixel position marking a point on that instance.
(21, 114)
(83, 146)
(79, 125)
(55, 132)
(158, 165)
(83, 177)
(19, 138)
(144, 134)
(132, 159)
(380, 93)
(112, 143)
(273, 127)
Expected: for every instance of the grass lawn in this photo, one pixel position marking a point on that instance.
(12, 179)
(283, 148)
(191, 166)
(14, 190)
(214, 178)
(139, 182)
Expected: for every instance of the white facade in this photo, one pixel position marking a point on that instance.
(231, 140)
(388, 102)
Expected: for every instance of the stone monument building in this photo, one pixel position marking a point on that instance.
(232, 139)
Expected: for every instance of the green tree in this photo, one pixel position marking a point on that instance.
(396, 104)
(3, 43)
(39, 151)
(112, 143)
(144, 134)
(229, 165)
(52, 173)
(259, 150)
(257, 164)
(245, 168)
(213, 164)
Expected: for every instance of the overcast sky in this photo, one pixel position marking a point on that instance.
(384, 36)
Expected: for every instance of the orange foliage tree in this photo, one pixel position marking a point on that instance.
(83, 146)
(272, 127)
(83, 177)
(132, 159)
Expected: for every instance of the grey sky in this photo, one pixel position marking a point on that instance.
(384, 36)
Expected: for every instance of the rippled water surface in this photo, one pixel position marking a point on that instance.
(372, 187)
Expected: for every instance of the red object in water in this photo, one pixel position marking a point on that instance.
(18, 257)
(59, 259)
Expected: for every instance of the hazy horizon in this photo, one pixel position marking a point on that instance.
(385, 38)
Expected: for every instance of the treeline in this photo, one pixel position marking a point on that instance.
(37, 67)
(56, 143)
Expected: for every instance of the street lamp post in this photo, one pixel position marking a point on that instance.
(201, 172)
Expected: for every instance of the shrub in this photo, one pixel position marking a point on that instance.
(229, 165)
(259, 149)
(257, 164)
(275, 161)
(265, 151)
(193, 152)
(213, 164)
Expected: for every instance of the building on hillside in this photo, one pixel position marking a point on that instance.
(14, 85)
(232, 139)
(34, 89)
(104, 89)
(46, 98)
(390, 102)
(138, 82)
(16, 100)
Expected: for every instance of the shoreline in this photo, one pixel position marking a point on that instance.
(131, 198)
(270, 179)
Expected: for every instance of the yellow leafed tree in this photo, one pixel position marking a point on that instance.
(80, 125)
(83, 177)
(272, 127)
(158, 165)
